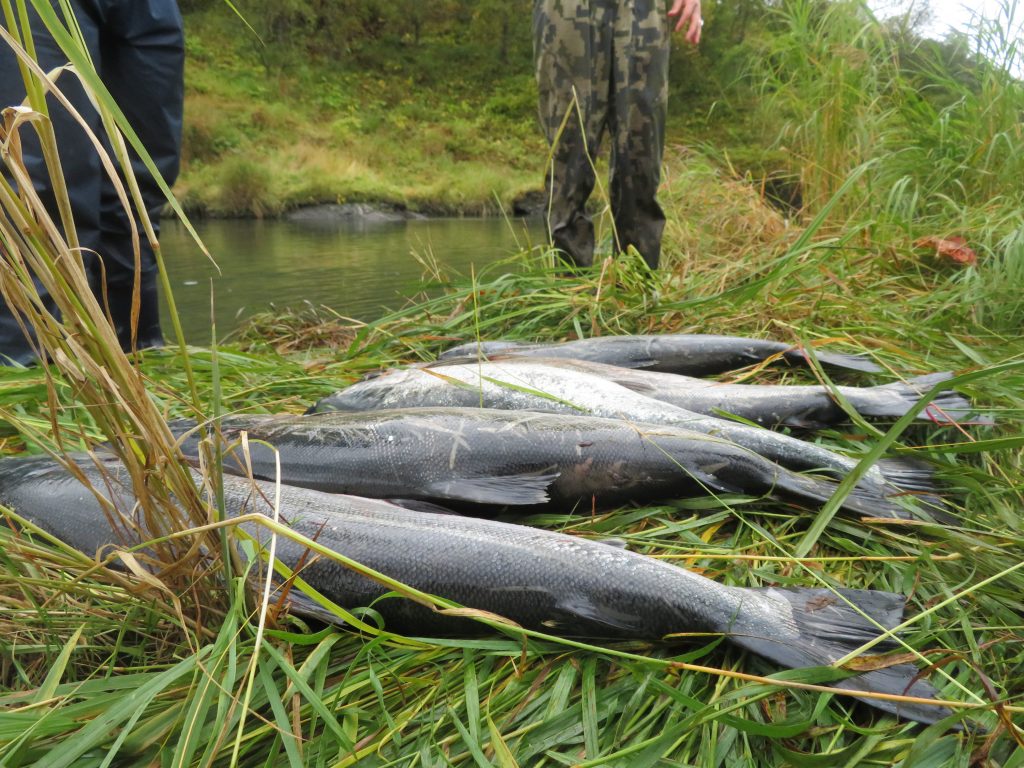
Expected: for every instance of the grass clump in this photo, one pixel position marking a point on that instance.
(246, 188)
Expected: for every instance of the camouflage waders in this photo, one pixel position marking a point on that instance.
(614, 54)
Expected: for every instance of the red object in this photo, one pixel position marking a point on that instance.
(952, 248)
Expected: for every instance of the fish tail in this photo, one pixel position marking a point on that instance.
(821, 626)
(894, 400)
(915, 479)
(909, 475)
(850, 362)
(872, 500)
(866, 500)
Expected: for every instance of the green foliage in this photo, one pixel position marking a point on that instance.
(940, 123)
(438, 125)
(825, 74)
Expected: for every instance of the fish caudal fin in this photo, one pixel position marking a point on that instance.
(861, 500)
(821, 626)
(894, 400)
(854, 362)
(909, 475)
(916, 480)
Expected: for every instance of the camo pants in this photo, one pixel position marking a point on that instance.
(603, 64)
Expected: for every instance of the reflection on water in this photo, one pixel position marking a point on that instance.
(358, 270)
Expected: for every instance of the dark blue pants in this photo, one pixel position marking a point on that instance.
(138, 48)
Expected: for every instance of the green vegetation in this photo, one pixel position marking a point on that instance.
(441, 124)
(106, 666)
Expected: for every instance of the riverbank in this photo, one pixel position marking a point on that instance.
(408, 131)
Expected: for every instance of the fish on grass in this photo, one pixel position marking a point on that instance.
(517, 384)
(690, 354)
(540, 580)
(500, 458)
(771, 405)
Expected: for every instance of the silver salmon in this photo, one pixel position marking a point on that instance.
(499, 458)
(541, 580)
(517, 384)
(691, 354)
(799, 406)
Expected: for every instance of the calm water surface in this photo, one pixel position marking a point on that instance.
(360, 271)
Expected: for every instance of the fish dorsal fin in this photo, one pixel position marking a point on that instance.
(518, 490)
(614, 542)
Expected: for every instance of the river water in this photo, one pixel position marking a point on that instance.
(360, 269)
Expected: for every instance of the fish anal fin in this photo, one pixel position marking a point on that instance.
(640, 387)
(711, 480)
(418, 505)
(646, 362)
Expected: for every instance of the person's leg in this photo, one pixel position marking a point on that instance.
(637, 125)
(79, 162)
(572, 50)
(143, 54)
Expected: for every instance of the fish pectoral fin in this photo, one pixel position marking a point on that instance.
(582, 607)
(521, 489)
(640, 387)
(713, 481)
